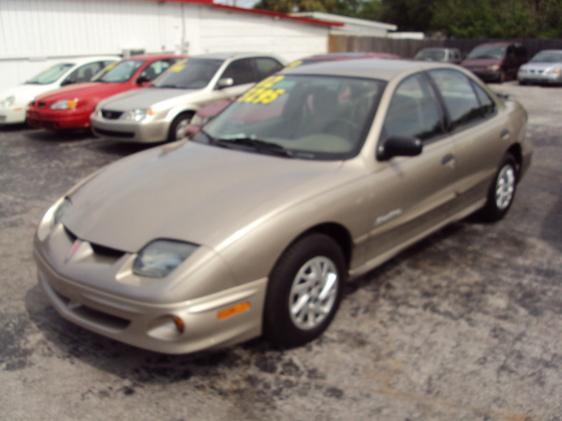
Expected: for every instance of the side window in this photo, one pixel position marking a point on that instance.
(267, 66)
(414, 111)
(459, 97)
(84, 73)
(155, 70)
(487, 105)
(241, 71)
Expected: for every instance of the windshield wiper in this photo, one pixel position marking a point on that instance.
(256, 144)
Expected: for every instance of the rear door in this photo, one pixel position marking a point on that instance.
(478, 130)
(412, 194)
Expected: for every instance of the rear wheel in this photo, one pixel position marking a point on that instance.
(304, 291)
(179, 126)
(502, 191)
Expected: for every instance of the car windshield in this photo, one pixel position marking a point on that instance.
(190, 73)
(488, 52)
(51, 75)
(548, 57)
(431, 54)
(121, 72)
(307, 117)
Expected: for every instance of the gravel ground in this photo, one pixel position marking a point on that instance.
(464, 326)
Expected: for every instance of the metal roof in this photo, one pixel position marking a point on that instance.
(260, 12)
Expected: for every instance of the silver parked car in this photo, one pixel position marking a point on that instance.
(545, 67)
(163, 111)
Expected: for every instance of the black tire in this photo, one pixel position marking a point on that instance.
(279, 328)
(491, 212)
(180, 119)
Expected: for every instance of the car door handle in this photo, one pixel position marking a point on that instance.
(505, 135)
(449, 160)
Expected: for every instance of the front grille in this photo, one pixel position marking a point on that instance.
(91, 314)
(103, 251)
(112, 133)
(101, 318)
(111, 115)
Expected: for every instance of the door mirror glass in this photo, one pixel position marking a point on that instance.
(399, 146)
(224, 83)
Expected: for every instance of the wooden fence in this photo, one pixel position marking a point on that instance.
(407, 48)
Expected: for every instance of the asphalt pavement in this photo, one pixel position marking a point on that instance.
(466, 325)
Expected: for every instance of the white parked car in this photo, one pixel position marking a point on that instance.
(14, 101)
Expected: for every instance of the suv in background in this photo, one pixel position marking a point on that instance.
(496, 62)
(438, 54)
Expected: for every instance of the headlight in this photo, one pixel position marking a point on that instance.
(139, 114)
(52, 217)
(159, 258)
(8, 102)
(65, 104)
(495, 67)
(553, 71)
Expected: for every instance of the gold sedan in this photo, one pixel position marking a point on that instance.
(316, 175)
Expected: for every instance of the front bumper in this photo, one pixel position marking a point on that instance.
(150, 326)
(58, 119)
(487, 75)
(539, 78)
(12, 115)
(131, 131)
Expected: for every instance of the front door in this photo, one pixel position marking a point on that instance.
(412, 194)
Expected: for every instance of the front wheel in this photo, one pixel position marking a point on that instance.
(502, 191)
(304, 291)
(178, 128)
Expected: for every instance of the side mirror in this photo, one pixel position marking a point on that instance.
(224, 83)
(399, 146)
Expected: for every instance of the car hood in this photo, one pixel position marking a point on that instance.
(24, 94)
(150, 97)
(541, 66)
(86, 91)
(481, 62)
(190, 192)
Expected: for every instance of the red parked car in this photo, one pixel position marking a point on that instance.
(71, 107)
(212, 110)
(497, 61)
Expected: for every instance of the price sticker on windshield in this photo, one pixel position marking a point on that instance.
(265, 92)
(178, 67)
(110, 66)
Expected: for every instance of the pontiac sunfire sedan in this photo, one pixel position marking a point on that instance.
(316, 175)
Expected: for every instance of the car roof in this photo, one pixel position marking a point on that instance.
(84, 60)
(152, 57)
(368, 68)
(232, 55)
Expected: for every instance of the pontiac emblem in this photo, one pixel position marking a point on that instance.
(73, 250)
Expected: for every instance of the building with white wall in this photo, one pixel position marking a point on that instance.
(352, 26)
(37, 33)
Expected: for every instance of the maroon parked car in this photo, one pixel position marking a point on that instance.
(496, 62)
